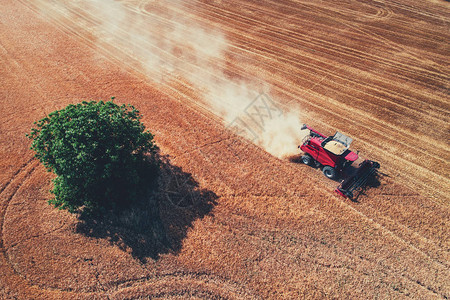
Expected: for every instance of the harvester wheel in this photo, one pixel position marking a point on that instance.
(329, 172)
(307, 160)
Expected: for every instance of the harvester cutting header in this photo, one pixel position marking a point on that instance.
(332, 154)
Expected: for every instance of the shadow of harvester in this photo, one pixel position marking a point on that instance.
(361, 183)
(158, 223)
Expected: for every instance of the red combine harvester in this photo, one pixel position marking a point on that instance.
(333, 155)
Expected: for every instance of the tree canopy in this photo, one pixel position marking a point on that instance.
(100, 152)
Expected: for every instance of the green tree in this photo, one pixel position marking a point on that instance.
(100, 152)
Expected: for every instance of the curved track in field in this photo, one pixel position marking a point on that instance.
(277, 231)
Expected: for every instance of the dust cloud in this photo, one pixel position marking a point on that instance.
(167, 41)
(283, 134)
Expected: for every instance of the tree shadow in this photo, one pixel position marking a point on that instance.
(159, 222)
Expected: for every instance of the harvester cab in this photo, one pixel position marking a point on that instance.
(332, 154)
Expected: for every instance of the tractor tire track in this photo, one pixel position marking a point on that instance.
(231, 14)
(398, 47)
(315, 66)
(153, 15)
(35, 236)
(348, 22)
(327, 71)
(282, 38)
(183, 283)
(345, 254)
(8, 191)
(422, 11)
